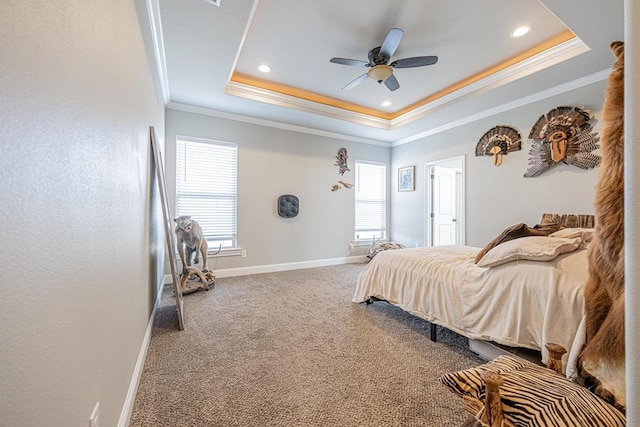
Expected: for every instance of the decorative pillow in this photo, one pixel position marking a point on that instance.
(384, 246)
(532, 395)
(586, 234)
(514, 232)
(533, 248)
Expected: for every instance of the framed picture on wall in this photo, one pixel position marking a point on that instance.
(406, 178)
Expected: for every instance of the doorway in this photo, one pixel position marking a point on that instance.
(445, 202)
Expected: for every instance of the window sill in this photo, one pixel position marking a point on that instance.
(365, 243)
(227, 252)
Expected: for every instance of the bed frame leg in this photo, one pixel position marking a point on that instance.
(433, 332)
(373, 299)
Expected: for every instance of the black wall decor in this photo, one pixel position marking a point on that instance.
(288, 206)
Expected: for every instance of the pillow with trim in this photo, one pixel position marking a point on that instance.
(532, 248)
(586, 234)
(515, 231)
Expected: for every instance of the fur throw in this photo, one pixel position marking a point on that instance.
(515, 232)
(602, 361)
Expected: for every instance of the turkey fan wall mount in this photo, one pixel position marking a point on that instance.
(381, 70)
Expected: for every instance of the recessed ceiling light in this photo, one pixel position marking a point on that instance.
(521, 31)
(386, 103)
(264, 68)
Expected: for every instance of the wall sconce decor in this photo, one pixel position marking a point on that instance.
(288, 206)
(499, 141)
(563, 135)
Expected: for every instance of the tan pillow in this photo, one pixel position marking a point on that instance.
(586, 234)
(534, 248)
(514, 232)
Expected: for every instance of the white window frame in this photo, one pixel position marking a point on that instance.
(360, 198)
(226, 195)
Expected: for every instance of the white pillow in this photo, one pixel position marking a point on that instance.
(534, 248)
(586, 234)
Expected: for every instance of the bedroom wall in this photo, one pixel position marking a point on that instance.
(80, 260)
(272, 162)
(496, 197)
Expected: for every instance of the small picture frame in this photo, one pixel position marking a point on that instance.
(406, 178)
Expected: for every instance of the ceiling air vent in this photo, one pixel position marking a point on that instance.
(213, 2)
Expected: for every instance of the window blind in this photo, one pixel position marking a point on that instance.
(206, 188)
(371, 200)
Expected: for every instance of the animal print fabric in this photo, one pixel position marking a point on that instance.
(532, 395)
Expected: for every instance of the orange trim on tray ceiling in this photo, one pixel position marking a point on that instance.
(307, 95)
(333, 102)
(548, 44)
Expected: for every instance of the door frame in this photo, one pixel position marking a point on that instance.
(459, 161)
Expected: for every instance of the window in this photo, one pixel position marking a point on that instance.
(371, 200)
(206, 188)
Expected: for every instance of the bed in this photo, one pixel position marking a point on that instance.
(517, 302)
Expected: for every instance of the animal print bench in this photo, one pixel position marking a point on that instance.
(510, 391)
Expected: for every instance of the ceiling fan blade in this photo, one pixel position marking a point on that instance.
(416, 61)
(356, 82)
(352, 62)
(391, 42)
(392, 83)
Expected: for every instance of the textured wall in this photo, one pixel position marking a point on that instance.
(497, 197)
(78, 253)
(272, 162)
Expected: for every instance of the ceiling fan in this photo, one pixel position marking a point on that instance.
(381, 71)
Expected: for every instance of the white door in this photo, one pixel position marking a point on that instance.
(444, 216)
(459, 204)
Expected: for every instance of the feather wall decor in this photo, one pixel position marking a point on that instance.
(499, 141)
(563, 135)
(341, 161)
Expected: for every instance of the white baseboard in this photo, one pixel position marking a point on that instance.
(127, 408)
(271, 268)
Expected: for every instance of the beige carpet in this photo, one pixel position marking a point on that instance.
(290, 349)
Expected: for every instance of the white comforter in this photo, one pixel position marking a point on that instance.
(518, 304)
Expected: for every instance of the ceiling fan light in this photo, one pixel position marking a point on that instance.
(380, 73)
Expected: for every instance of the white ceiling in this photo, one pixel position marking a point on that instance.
(208, 56)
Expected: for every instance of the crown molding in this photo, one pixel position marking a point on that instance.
(153, 11)
(272, 124)
(472, 87)
(547, 93)
(301, 104)
(526, 67)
